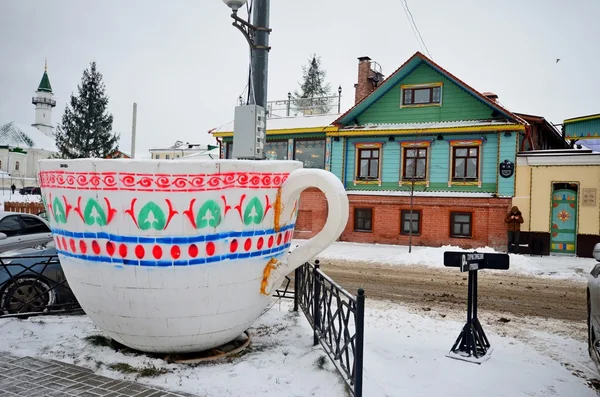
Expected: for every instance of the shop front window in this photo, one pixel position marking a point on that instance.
(310, 152)
(276, 150)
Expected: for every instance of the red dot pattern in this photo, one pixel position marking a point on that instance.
(96, 247)
(110, 248)
(193, 250)
(174, 252)
(157, 252)
(140, 251)
(210, 248)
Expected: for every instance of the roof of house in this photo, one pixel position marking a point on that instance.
(45, 83)
(403, 71)
(582, 118)
(541, 120)
(287, 123)
(26, 137)
(118, 153)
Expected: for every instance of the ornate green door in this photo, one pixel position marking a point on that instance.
(563, 233)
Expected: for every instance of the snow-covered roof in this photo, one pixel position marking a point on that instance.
(205, 155)
(286, 123)
(26, 137)
(427, 125)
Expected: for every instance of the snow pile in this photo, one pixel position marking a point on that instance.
(404, 356)
(397, 255)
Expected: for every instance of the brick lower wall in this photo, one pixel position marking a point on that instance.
(488, 224)
(312, 213)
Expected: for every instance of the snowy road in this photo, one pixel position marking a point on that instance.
(440, 288)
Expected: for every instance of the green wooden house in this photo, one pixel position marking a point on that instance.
(423, 156)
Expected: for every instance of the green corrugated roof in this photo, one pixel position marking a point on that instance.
(45, 83)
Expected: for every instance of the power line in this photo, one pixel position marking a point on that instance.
(415, 28)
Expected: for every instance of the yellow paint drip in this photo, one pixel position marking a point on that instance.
(271, 265)
(278, 209)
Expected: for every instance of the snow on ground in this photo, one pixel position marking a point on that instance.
(6, 195)
(404, 356)
(397, 255)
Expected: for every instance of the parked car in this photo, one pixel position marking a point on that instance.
(30, 190)
(32, 280)
(593, 309)
(19, 231)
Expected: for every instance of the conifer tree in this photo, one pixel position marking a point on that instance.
(310, 99)
(86, 127)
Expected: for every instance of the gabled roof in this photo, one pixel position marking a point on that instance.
(45, 84)
(26, 137)
(403, 71)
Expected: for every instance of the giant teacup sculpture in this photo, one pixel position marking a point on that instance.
(181, 256)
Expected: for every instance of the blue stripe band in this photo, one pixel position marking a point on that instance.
(169, 240)
(185, 262)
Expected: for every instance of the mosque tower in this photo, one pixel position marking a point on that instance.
(44, 102)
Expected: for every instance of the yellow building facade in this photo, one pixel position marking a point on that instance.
(557, 193)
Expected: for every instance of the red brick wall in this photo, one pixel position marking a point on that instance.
(488, 227)
(312, 213)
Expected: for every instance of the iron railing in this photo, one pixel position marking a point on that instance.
(292, 107)
(34, 285)
(337, 319)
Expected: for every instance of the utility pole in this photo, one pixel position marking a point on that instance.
(260, 52)
(249, 130)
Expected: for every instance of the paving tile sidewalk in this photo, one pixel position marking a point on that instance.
(33, 377)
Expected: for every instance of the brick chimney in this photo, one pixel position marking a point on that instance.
(369, 78)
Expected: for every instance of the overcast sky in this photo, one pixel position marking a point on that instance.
(185, 65)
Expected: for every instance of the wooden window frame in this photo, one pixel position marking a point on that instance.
(356, 210)
(466, 143)
(358, 146)
(452, 222)
(370, 161)
(405, 158)
(419, 222)
(416, 87)
(454, 157)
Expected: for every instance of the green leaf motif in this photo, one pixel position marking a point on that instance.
(58, 210)
(151, 216)
(254, 212)
(93, 213)
(208, 215)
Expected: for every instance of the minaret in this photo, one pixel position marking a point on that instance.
(44, 102)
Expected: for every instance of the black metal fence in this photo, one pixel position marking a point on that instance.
(34, 285)
(337, 318)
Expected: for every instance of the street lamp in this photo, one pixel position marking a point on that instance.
(250, 120)
(235, 4)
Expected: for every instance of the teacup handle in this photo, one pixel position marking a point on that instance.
(337, 218)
